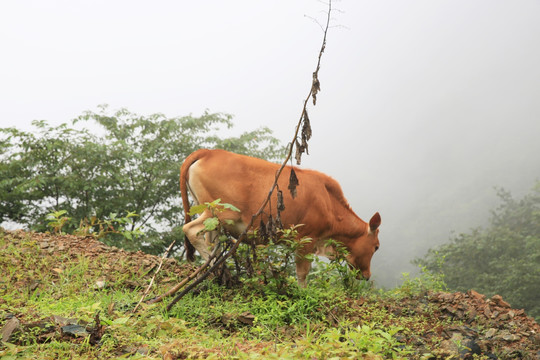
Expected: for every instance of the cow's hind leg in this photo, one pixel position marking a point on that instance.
(200, 240)
(302, 269)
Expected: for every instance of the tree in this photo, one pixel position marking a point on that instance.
(501, 259)
(127, 163)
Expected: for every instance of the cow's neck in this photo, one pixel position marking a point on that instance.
(349, 226)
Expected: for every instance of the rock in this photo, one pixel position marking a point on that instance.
(469, 347)
(536, 340)
(10, 326)
(33, 285)
(487, 311)
(507, 336)
(498, 300)
(449, 348)
(491, 333)
(511, 337)
(446, 297)
(100, 284)
(246, 318)
(477, 296)
(471, 314)
(60, 320)
(227, 319)
(74, 330)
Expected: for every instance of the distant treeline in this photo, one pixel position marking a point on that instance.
(108, 164)
(503, 258)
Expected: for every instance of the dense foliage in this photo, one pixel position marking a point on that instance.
(126, 164)
(503, 258)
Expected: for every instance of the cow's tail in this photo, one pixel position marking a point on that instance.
(184, 171)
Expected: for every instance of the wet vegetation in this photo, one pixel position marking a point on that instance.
(65, 296)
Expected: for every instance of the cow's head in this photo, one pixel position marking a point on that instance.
(363, 248)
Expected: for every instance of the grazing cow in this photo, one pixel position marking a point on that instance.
(245, 181)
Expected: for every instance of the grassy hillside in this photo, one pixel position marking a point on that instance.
(66, 297)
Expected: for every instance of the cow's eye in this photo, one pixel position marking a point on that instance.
(376, 247)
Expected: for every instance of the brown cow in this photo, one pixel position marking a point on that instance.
(245, 181)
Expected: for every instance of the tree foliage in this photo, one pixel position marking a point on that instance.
(126, 163)
(502, 259)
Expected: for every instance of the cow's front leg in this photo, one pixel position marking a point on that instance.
(302, 269)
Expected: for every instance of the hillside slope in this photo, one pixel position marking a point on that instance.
(66, 296)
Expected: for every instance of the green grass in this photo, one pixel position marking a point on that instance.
(322, 321)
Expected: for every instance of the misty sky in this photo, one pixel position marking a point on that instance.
(425, 105)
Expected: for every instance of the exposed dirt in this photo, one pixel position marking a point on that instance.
(475, 326)
(91, 248)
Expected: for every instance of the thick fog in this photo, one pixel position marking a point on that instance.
(425, 108)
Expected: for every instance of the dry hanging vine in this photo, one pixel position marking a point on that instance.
(217, 258)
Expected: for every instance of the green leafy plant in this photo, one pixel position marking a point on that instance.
(113, 224)
(215, 207)
(57, 220)
(97, 228)
(363, 339)
(338, 272)
(275, 263)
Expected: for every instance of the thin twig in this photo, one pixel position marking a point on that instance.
(180, 285)
(154, 277)
(243, 235)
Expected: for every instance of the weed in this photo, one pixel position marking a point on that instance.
(426, 281)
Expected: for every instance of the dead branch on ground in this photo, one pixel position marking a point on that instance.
(154, 277)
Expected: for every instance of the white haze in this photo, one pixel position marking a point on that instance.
(425, 107)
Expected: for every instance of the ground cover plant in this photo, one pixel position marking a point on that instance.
(64, 296)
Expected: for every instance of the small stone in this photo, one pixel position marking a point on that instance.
(490, 333)
(60, 320)
(498, 300)
(226, 319)
(536, 339)
(511, 337)
(74, 330)
(470, 347)
(246, 318)
(477, 296)
(446, 297)
(10, 326)
(34, 285)
(143, 350)
(471, 314)
(100, 284)
(449, 348)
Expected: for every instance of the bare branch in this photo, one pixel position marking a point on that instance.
(314, 89)
(154, 277)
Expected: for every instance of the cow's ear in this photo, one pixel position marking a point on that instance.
(375, 222)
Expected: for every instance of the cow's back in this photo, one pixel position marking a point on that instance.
(245, 181)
